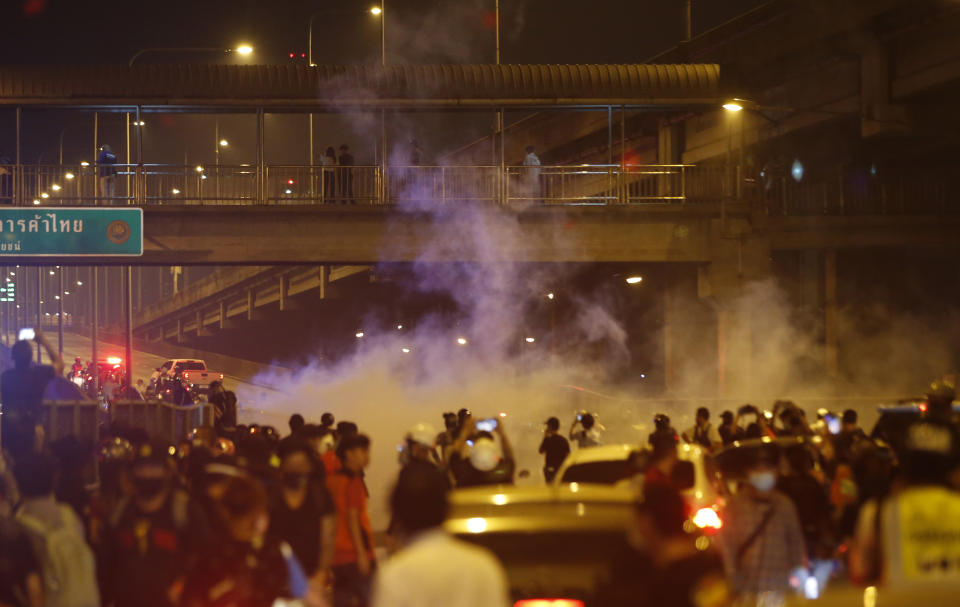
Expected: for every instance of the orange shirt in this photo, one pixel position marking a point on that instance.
(350, 493)
(331, 462)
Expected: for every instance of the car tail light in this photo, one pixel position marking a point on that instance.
(707, 517)
(922, 407)
(548, 603)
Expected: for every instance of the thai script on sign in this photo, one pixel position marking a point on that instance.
(48, 221)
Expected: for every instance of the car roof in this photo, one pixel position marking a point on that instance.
(609, 453)
(502, 495)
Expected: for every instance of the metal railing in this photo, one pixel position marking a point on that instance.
(842, 192)
(150, 184)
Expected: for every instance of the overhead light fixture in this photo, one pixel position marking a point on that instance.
(634, 280)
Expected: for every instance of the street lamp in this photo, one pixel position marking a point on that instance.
(634, 280)
(224, 143)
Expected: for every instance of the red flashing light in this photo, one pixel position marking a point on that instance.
(923, 407)
(292, 55)
(303, 55)
(548, 603)
(290, 182)
(707, 517)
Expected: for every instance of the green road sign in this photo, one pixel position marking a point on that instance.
(71, 232)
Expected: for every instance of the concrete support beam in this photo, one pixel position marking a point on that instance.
(831, 348)
(202, 331)
(179, 330)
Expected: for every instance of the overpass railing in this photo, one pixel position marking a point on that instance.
(152, 184)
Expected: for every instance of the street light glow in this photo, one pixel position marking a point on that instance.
(84, 163)
(35, 201)
(224, 143)
(550, 296)
(44, 195)
(175, 191)
(734, 105)
(69, 176)
(530, 340)
(55, 187)
(244, 49)
(376, 11)
(462, 341)
(405, 350)
(359, 334)
(199, 169)
(79, 283)
(634, 280)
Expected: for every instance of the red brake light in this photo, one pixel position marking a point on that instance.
(707, 517)
(548, 603)
(923, 407)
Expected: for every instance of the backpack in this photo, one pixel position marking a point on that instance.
(69, 576)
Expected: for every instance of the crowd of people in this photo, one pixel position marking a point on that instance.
(246, 515)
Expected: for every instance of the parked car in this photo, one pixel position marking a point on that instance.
(624, 464)
(180, 380)
(557, 543)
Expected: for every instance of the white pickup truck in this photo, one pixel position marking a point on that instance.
(179, 373)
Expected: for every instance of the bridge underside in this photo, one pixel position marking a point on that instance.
(192, 235)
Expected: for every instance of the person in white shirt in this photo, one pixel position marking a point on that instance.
(703, 433)
(532, 161)
(432, 567)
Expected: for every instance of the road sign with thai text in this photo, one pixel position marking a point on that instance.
(71, 232)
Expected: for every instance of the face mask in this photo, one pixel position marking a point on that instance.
(149, 487)
(295, 480)
(485, 455)
(762, 481)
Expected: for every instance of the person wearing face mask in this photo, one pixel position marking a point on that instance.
(153, 537)
(302, 513)
(761, 539)
(244, 567)
(477, 459)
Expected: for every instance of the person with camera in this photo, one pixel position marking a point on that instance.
(482, 454)
(588, 435)
(21, 392)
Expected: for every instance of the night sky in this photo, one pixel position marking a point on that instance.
(418, 31)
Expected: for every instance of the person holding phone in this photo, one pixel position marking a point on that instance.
(588, 435)
(21, 392)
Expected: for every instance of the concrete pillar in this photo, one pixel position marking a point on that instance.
(736, 281)
(689, 336)
(831, 350)
(284, 287)
(250, 304)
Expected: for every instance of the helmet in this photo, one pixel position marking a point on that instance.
(485, 454)
(423, 434)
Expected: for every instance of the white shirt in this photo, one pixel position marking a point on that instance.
(438, 569)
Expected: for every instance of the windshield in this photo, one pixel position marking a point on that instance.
(191, 366)
(605, 473)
